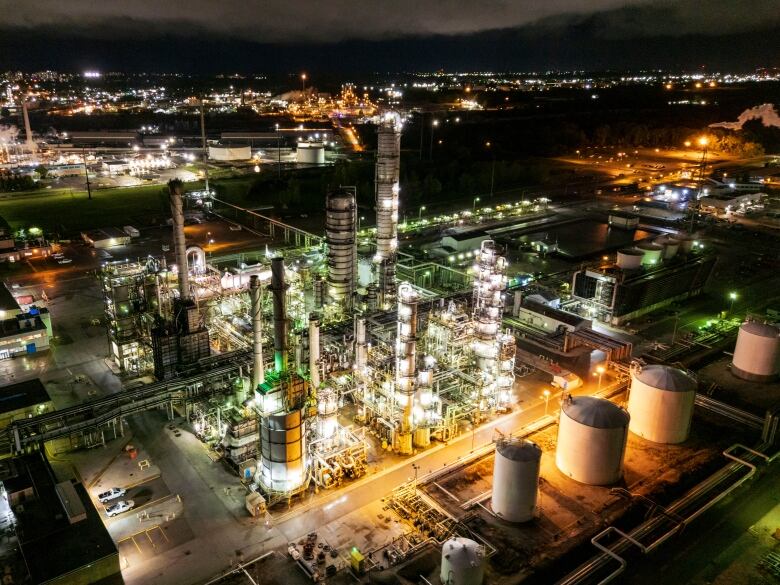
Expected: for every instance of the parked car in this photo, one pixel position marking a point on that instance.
(120, 507)
(112, 494)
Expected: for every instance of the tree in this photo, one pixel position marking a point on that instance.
(42, 171)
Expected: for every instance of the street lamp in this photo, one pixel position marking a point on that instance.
(278, 153)
(360, 219)
(419, 215)
(434, 124)
(599, 372)
(546, 394)
(303, 83)
(732, 298)
(474, 204)
(492, 168)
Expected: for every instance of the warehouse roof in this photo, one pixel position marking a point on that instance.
(22, 395)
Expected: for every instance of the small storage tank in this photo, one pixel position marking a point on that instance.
(630, 258)
(756, 354)
(462, 562)
(661, 403)
(670, 246)
(310, 153)
(592, 435)
(516, 479)
(653, 253)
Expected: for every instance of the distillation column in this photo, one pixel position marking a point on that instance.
(279, 290)
(258, 375)
(406, 365)
(314, 350)
(491, 347)
(341, 237)
(388, 159)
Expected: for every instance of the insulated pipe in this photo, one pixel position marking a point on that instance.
(279, 289)
(314, 349)
(179, 242)
(258, 376)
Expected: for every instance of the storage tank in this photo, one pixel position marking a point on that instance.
(282, 451)
(756, 354)
(516, 479)
(670, 246)
(653, 253)
(462, 562)
(310, 153)
(661, 403)
(630, 258)
(686, 242)
(592, 435)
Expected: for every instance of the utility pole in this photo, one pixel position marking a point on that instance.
(86, 172)
(203, 143)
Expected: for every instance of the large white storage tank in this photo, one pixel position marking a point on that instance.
(592, 435)
(756, 354)
(661, 403)
(630, 258)
(462, 562)
(310, 153)
(653, 253)
(516, 479)
(229, 153)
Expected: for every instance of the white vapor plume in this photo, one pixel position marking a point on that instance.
(8, 134)
(765, 112)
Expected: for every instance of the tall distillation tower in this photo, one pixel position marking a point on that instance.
(388, 161)
(493, 349)
(340, 235)
(406, 364)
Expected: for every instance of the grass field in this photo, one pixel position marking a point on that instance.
(69, 212)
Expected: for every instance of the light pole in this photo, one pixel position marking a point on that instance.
(416, 469)
(732, 298)
(303, 83)
(546, 394)
(474, 204)
(599, 372)
(492, 168)
(278, 153)
(419, 214)
(86, 173)
(360, 219)
(703, 142)
(434, 124)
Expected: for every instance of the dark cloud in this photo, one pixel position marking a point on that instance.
(381, 35)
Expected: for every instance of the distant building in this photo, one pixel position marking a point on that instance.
(61, 536)
(115, 167)
(226, 153)
(22, 331)
(13, 249)
(106, 237)
(729, 201)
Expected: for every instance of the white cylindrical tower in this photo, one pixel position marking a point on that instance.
(388, 160)
(327, 417)
(340, 235)
(661, 403)
(669, 244)
(314, 350)
(592, 435)
(258, 375)
(488, 309)
(462, 562)
(283, 463)
(516, 479)
(630, 258)
(756, 354)
(653, 253)
(406, 363)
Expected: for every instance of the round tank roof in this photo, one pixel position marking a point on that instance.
(650, 246)
(760, 329)
(631, 252)
(666, 378)
(462, 552)
(595, 412)
(519, 450)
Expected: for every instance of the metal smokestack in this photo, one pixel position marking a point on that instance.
(179, 243)
(258, 376)
(30, 143)
(279, 289)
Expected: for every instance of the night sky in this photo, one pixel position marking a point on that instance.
(254, 36)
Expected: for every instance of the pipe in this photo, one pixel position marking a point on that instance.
(258, 375)
(314, 349)
(279, 289)
(179, 242)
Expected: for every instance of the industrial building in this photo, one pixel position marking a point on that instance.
(23, 400)
(22, 331)
(642, 280)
